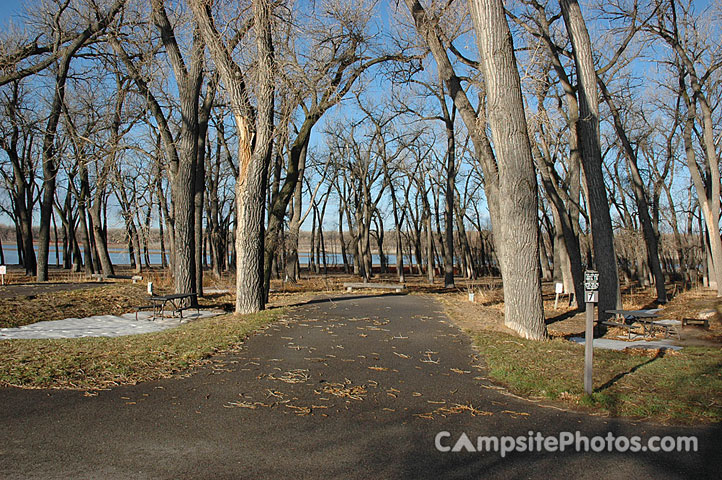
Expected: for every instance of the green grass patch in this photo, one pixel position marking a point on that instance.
(670, 387)
(93, 363)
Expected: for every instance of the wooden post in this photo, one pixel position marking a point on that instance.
(591, 296)
(589, 348)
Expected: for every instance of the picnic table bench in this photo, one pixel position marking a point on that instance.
(702, 319)
(397, 287)
(648, 319)
(101, 276)
(628, 326)
(176, 301)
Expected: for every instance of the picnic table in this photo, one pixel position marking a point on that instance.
(176, 301)
(397, 287)
(648, 319)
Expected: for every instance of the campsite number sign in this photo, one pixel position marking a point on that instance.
(591, 286)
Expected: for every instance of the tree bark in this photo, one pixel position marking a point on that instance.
(650, 236)
(603, 236)
(199, 186)
(183, 166)
(449, 197)
(517, 243)
(294, 226)
(510, 182)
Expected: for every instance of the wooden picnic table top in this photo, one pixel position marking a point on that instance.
(648, 313)
(374, 285)
(173, 296)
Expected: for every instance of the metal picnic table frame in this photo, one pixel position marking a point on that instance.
(159, 304)
(646, 318)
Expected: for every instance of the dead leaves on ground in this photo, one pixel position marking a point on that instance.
(343, 390)
(455, 409)
(299, 375)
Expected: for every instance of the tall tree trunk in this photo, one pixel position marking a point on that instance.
(25, 223)
(707, 186)
(341, 239)
(471, 271)
(183, 193)
(254, 153)
(146, 229)
(294, 226)
(449, 198)
(510, 181)
(99, 236)
(199, 186)
(383, 261)
(55, 234)
(429, 248)
(603, 236)
(517, 243)
(84, 196)
(650, 237)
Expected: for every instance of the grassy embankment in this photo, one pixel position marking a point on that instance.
(91, 363)
(665, 386)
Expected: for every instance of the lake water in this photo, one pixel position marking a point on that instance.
(117, 256)
(121, 257)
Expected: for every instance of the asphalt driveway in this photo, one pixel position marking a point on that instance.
(352, 387)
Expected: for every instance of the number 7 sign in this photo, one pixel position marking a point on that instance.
(591, 296)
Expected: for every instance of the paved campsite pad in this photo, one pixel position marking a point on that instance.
(103, 325)
(355, 387)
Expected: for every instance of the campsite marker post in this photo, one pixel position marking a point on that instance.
(591, 296)
(558, 290)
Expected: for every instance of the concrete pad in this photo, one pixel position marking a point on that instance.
(101, 326)
(215, 291)
(609, 344)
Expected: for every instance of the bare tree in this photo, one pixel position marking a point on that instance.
(17, 141)
(604, 254)
(696, 59)
(316, 83)
(97, 23)
(253, 153)
(510, 181)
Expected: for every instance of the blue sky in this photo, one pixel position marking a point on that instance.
(9, 8)
(14, 8)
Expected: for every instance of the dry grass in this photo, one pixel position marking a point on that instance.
(94, 363)
(669, 387)
(113, 299)
(105, 299)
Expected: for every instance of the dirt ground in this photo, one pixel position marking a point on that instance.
(34, 289)
(484, 313)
